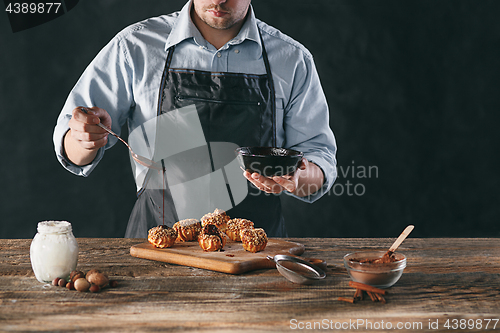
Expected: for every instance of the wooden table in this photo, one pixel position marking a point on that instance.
(454, 282)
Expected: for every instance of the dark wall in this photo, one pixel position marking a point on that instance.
(413, 92)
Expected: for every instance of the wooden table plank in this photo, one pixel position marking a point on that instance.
(445, 279)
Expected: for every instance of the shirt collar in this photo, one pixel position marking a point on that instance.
(184, 28)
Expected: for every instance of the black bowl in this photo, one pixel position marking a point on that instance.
(269, 161)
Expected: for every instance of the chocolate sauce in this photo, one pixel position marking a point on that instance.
(211, 229)
(163, 213)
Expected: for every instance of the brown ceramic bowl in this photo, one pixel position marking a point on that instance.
(269, 161)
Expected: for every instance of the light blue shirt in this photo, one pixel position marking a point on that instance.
(124, 79)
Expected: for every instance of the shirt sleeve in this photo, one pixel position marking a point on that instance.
(105, 83)
(306, 124)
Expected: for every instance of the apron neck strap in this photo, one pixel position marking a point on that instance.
(271, 87)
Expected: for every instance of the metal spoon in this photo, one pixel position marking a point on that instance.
(297, 270)
(138, 158)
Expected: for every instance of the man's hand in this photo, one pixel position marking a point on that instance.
(306, 180)
(84, 138)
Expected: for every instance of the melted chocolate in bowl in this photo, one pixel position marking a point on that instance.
(269, 161)
(361, 268)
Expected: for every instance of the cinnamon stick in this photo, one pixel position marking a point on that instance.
(367, 288)
(372, 296)
(380, 298)
(345, 299)
(358, 295)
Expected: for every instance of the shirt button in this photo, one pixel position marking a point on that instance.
(201, 47)
(236, 51)
(219, 55)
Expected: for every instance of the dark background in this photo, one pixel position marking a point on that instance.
(412, 86)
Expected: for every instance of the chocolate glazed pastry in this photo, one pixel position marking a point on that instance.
(218, 218)
(211, 238)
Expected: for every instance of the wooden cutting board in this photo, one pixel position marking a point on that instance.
(233, 259)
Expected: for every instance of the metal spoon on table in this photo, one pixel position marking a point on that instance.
(138, 158)
(297, 270)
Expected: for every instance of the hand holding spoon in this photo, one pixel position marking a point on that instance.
(138, 158)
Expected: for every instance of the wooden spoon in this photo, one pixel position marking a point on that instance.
(395, 245)
(401, 238)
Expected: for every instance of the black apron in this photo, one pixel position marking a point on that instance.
(232, 108)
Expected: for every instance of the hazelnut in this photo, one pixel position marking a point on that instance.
(94, 288)
(96, 277)
(55, 282)
(70, 285)
(93, 271)
(75, 275)
(82, 285)
(61, 283)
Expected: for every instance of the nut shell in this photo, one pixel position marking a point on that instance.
(94, 288)
(82, 285)
(61, 283)
(75, 275)
(98, 278)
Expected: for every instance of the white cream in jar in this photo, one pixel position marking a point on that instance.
(53, 251)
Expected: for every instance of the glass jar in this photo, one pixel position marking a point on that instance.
(53, 251)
